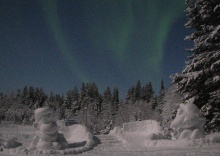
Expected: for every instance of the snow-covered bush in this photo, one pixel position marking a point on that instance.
(171, 103)
(18, 112)
(135, 111)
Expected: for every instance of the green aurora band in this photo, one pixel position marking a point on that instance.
(133, 32)
(52, 18)
(115, 25)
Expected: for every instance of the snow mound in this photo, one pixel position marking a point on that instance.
(144, 127)
(208, 140)
(148, 134)
(136, 133)
(77, 133)
(116, 131)
(214, 138)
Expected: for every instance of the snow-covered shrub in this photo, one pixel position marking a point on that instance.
(18, 112)
(171, 103)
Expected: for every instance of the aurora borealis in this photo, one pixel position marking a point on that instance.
(57, 44)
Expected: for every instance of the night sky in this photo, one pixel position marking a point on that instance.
(57, 44)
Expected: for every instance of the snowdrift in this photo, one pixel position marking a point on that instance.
(144, 127)
(137, 132)
(77, 134)
(141, 133)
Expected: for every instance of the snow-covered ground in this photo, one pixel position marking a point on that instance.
(118, 143)
(111, 147)
(136, 138)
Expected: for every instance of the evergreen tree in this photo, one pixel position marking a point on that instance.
(89, 101)
(138, 90)
(131, 94)
(116, 95)
(160, 99)
(75, 99)
(148, 92)
(115, 101)
(106, 111)
(19, 95)
(144, 93)
(50, 100)
(162, 89)
(128, 97)
(82, 92)
(107, 95)
(155, 103)
(200, 79)
(30, 99)
(17, 111)
(72, 104)
(99, 106)
(57, 106)
(39, 98)
(31, 91)
(95, 90)
(25, 95)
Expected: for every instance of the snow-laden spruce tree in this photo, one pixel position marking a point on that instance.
(105, 116)
(200, 80)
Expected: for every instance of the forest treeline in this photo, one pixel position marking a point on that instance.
(99, 111)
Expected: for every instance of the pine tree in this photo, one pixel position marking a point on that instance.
(116, 95)
(200, 79)
(25, 95)
(82, 92)
(31, 91)
(155, 103)
(160, 99)
(18, 95)
(107, 95)
(115, 101)
(106, 111)
(17, 110)
(162, 89)
(128, 97)
(75, 99)
(89, 101)
(72, 104)
(138, 90)
(50, 100)
(39, 98)
(57, 104)
(131, 94)
(149, 92)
